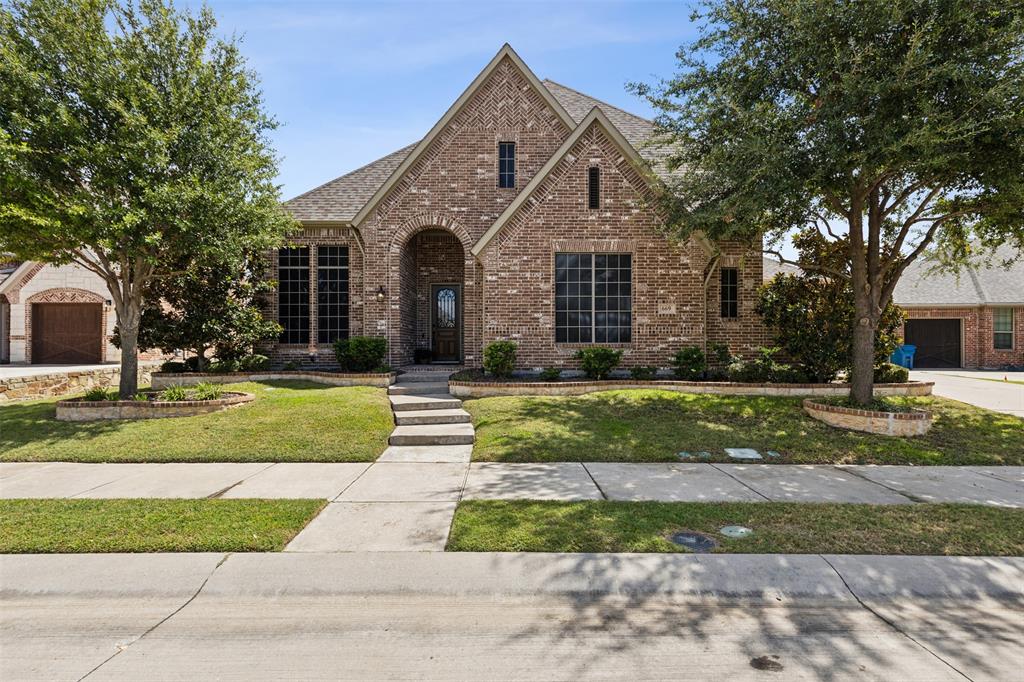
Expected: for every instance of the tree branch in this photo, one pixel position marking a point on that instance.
(809, 268)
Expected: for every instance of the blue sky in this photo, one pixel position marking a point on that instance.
(353, 81)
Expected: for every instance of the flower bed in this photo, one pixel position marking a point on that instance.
(467, 387)
(380, 379)
(885, 423)
(80, 410)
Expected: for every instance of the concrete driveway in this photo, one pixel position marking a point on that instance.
(981, 388)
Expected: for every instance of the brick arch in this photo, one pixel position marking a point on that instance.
(428, 221)
(65, 295)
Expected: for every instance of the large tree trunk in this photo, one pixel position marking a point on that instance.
(128, 327)
(862, 371)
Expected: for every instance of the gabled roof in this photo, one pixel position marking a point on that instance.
(595, 117)
(771, 267)
(506, 52)
(990, 284)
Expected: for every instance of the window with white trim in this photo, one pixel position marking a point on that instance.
(1002, 328)
(593, 297)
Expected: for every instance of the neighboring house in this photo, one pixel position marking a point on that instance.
(974, 320)
(525, 214)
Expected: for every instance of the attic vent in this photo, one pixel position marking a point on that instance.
(594, 187)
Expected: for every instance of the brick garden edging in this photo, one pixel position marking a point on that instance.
(164, 379)
(485, 389)
(79, 410)
(914, 423)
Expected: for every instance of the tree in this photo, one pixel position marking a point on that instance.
(811, 314)
(208, 307)
(895, 127)
(132, 140)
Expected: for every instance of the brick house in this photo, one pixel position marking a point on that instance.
(975, 320)
(525, 214)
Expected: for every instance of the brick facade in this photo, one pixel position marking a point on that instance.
(976, 334)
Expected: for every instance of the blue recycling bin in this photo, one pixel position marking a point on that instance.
(904, 356)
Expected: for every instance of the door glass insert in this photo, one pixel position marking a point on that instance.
(445, 308)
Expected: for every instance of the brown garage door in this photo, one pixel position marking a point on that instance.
(937, 341)
(66, 332)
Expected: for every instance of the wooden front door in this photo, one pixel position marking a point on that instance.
(446, 322)
(66, 333)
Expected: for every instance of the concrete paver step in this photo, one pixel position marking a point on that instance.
(433, 434)
(414, 417)
(418, 388)
(433, 376)
(402, 403)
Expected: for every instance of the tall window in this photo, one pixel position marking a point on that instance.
(293, 294)
(1002, 328)
(593, 297)
(506, 164)
(594, 187)
(331, 293)
(730, 293)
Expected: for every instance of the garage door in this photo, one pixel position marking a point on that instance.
(937, 341)
(67, 333)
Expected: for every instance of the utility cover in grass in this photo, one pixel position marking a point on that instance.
(695, 542)
(743, 453)
(736, 531)
(703, 454)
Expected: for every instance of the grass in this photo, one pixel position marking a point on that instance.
(71, 526)
(653, 425)
(783, 527)
(290, 421)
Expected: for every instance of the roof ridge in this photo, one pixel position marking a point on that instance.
(601, 101)
(351, 172)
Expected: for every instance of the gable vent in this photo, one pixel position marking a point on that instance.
(594, 187)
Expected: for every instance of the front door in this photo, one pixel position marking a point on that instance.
(446, 322)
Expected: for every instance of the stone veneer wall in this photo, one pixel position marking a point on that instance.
(97, 410)
(883, 423)
(164, 379)
(65, 383)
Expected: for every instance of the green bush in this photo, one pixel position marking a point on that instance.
(550, 374)
(172, 393)
(500, 358)
(291, 365)
(140, 397)
(764, 369)
(207, 391)
(888, 373)
(222, 366)
(360, 353)
(643, 372)
(99, 393)
(172, 367)
(597, 362)
(719, 355)
(689, 363)
(254, 363)
(192, 363)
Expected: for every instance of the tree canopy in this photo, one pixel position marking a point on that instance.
(894, 127)
(132, 141)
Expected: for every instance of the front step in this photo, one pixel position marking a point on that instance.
(420, 388)
(406, 403)
(424, 377)
(414, 417)
(433, 434)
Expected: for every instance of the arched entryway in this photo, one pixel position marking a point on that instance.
(432, 320)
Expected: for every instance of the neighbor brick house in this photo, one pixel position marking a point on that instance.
(525, 213)
(974, 320)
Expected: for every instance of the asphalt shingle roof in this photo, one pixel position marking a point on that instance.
(340, 199)
(990, 284)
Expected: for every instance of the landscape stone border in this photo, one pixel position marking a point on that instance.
(913, 423)
(486, 389)
(80, 410)
(162, 380)
(56, 383)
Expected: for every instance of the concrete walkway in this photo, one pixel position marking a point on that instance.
(984, 389)
(510, 616)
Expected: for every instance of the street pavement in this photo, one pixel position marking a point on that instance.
(980, 388)
(408, 615)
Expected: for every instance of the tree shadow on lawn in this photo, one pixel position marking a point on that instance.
(653, 425)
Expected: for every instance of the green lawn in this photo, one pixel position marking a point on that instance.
(290, 421)
(653, 425)
(47, 526)
(779, 527)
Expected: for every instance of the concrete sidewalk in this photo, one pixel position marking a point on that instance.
(509, 616)
(980, 388)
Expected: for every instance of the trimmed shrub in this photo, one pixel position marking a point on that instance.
(254, 363)
(207, 391)
(689, 363)
(172, 393)
(597, 362)
(643, 372)
(192, 363)
(291, 366)
(360, 353)
(764, 369)
(172, 367)
(719, 355)
(99, 393)
(500, 358)
(221, 366)
(888, 373)
(550, 374)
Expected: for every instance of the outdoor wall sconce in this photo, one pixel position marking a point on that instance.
(381, 294)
